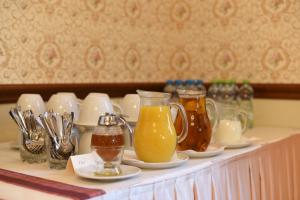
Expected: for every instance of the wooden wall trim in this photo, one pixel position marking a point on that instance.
(277, 91)
(9, 93)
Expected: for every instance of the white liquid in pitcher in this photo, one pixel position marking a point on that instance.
(228, 131)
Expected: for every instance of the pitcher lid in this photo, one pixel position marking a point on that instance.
(190, 93)
(152, 94)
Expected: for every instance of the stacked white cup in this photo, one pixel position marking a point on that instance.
(64, 102)
(94, 105)
(32, 102)
(131, 106)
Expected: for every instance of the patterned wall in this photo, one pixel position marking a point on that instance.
(55, 41)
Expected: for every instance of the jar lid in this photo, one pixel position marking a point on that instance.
(108, 119)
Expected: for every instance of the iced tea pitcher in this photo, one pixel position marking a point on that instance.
(200, 129)
(155, 137)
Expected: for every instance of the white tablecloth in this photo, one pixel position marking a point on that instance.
(269, 169)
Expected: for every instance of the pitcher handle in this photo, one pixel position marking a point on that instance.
(184, 131)
(242, 115)
(211, 105)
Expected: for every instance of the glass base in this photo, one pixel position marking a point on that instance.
(28, 157)
(109, 170)
(57, 164)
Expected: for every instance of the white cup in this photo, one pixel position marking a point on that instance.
(85, 134)
(64, 102)
(32, 102)
(131, 106)
(70, 94)
(93, 106)
(228, 132)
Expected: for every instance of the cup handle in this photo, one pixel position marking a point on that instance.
(118, 107)
(184, 131)
(242, 115)
(212, 108)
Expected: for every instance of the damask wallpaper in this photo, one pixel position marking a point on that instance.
(57, 41)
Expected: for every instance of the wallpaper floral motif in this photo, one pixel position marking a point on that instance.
(58, 41)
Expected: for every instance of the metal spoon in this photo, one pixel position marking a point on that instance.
(59, 129)
(17, 120)
(66, 147)
(35, 143)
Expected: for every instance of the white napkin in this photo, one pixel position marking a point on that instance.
(85, 160)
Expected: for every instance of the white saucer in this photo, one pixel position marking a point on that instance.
(129, 158)
(212, 150)
(242, 143)
(89, 172)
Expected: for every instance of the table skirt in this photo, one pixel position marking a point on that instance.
(269, 172)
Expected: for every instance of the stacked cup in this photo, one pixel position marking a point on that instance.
(64, 103)
(94, 105)
(131, 106)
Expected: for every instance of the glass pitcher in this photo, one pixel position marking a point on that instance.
(199, 126)
(232, 124)
(155, 137)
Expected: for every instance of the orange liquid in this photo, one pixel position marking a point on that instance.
(154, 134)
(199, 128)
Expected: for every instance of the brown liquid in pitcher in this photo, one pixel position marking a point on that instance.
(199, 128)
(108, 147)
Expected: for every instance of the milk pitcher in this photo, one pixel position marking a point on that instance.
(232, 124)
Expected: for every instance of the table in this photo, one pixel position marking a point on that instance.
(269, 169)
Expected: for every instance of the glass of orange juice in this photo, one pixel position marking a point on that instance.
(155, 138)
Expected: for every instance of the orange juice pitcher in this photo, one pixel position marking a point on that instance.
(155, 137)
